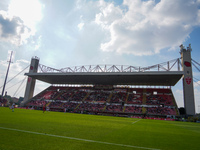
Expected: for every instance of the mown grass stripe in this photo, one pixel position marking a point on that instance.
(79, 139)
(187, 126)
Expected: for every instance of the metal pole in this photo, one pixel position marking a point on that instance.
(6, 74)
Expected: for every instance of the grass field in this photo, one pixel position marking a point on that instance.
(32, 129)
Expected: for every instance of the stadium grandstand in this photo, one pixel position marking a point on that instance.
(121, 101)
(113, 90)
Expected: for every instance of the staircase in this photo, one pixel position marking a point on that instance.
(109, 98)
(144, 97)
(86, 96)
(126, 101)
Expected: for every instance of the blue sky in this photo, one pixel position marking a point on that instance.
(66, 33)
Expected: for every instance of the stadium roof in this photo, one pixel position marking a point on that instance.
(157, 78)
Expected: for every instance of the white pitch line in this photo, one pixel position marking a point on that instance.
(136, 121)
(79, 139)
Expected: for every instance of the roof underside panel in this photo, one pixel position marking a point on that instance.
(161, 78)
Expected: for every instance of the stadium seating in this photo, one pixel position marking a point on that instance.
(133, 109)
(128, 101)
(37, 103)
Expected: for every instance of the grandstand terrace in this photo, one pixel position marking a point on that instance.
(124, 101)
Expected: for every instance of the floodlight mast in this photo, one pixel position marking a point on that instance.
(4, 85)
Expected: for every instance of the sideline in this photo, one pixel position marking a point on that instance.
(78, 139)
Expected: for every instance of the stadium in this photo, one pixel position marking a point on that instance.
(112, 90)
(99, 75)
(103, 107)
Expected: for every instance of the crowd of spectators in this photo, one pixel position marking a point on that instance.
(98, 96)
(3, 101)
(79, 99)
(133, 109)
(70, 105)
(118, 97)
(94, 107)
(47, 95)
(134, 98)
(159, 99)
(114, 108)
(37, 103)
(56, 104)
(78, 96)
(161, 111)
(66, 94)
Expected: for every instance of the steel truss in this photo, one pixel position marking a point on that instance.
(172, 65)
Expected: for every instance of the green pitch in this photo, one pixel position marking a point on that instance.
(32, 129)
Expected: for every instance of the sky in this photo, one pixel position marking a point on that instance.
(65, 33)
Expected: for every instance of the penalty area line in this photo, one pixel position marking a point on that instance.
(136, 121)
(78, 139)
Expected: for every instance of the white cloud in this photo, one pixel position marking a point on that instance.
(19, 22)
(12, 29)
(197, 84)
(108, 14)
(80, 25)
(29, 11)
(38, 43)
(145, 27)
